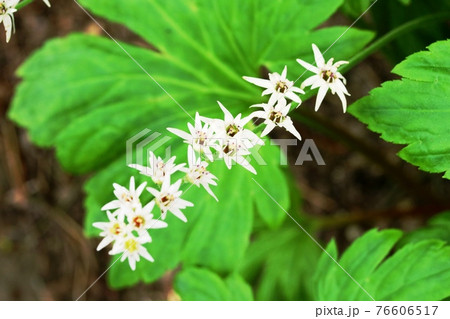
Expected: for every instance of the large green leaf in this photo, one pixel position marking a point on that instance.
(85, 96)
(418, 271)
(200, 284)
(415, 110)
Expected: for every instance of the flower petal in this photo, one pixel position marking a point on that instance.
(320, 61)
(105, 242)
(289, 126)
(156, 224)
(144, 253)
(180, 133)
(320, 96)
(308, 66)
(179, 214)
(343, 100)
(111, 205)
(259, 82)
(270, 126)
(284, 73)
(294, 97)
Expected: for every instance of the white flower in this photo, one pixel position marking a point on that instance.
(168, 199)
(7, 9)
(278, 86)
(111, 230)
(233, 127)
(276, 115)
(158, 169)
(326, 77)
(47, 3)
(131, 247)
(141, 220)
(127, 199)
(197, 173)
(200, 137)
(234, 150)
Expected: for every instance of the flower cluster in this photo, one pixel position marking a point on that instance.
(230, 139)
(326, 77)
(226, 139)
(7, 9)
(128, 224)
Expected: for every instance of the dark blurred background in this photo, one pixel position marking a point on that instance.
(43, 252)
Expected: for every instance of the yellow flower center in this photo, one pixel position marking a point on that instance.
(115, 229)
(131, 245)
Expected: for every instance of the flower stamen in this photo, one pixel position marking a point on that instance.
(276, 117)
(232, 130)
(131, 245)
(281, 87)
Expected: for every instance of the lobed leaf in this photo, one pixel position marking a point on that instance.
(414, 111)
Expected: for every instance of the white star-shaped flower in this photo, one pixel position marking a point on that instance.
(158, 169)
(131, 248)
(197, 173)
(276, 115)
(168, 199)
(111, 230)
(201, 137)
(7, 9)
(278, 86)
(234, 150)
(233, 127)
(141, 220)
(127, 199)
(326, 77)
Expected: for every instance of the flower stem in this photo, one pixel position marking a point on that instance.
(23, 4)
(391, 35)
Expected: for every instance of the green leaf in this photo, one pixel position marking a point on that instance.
(355, 8)
(239, 289)
(272, 179)
(438, 228)
(85, 96)
(280, 263)
(324, 267)
(221, 230)
(418, 271)
(200, 284)
(414, 111)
